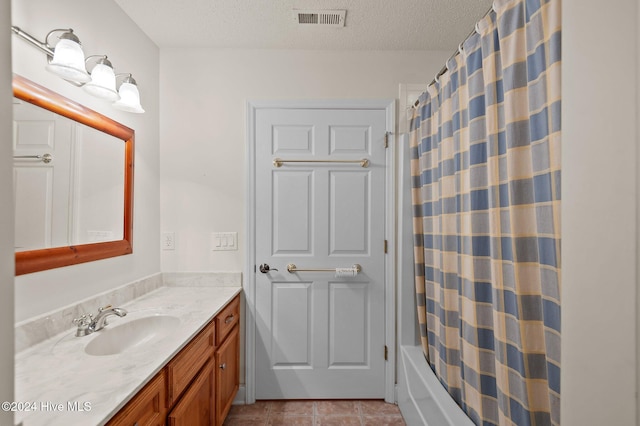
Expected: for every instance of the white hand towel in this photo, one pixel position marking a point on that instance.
(346, 272)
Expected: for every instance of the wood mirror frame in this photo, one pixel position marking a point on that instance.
(56, 257)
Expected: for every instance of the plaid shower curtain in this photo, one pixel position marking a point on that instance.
(485, 146)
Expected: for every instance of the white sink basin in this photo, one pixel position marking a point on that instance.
(115, 339)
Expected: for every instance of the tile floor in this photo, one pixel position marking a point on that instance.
(316, 413)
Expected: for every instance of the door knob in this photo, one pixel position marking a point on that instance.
(265, 268)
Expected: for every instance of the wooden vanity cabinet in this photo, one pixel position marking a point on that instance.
(191, 382)
(227, 319)
(227, 374)
(182, 369)
(197, 387)
(147, 408)
(227, 356)
(195, 408)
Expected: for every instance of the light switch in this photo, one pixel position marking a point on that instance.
(223, 241)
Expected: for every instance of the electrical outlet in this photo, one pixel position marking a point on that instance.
(168, 241)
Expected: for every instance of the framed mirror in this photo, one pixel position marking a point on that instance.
(73, 181)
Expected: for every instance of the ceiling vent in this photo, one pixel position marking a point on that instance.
(327, 18)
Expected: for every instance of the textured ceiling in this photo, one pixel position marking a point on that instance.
(269, 24)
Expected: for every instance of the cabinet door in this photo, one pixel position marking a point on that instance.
(195, 408)
(183, 367)
(147, 408)
(227, 374)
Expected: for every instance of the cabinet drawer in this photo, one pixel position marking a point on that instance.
(227, 319)
(146, 408)
(184, 366)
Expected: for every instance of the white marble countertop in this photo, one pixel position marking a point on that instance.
(57, 383)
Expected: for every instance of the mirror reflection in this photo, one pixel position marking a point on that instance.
(68, 181)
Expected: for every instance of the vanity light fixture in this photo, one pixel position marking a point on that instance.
(129, 95)
(66, 59)
(103, 79)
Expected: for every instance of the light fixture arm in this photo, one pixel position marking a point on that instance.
(45, 47)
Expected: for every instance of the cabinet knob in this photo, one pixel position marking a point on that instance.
(223, 366)
(228, 319)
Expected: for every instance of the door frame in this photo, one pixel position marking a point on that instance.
(249, 282)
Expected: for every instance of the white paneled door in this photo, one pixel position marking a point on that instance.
(320, 335)
(41, 189)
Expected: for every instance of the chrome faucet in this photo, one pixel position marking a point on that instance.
(100, 320)
(87, 324)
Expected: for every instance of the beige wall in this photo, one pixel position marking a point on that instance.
(103, 28)
(202, 127)
(599, 221)
(6, 218)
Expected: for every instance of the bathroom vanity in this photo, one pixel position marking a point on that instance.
(198, 385)
(183, 371)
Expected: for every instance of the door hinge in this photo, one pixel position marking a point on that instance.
(386, 139)
(386, 353)
(385, 247)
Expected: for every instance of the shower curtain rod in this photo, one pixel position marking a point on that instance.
(457, 52)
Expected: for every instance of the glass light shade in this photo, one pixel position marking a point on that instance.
(68, 62)
(103, 83)
(129, 98)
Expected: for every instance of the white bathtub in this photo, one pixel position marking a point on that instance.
(421, 397)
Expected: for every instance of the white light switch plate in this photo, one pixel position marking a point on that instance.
(223, 241)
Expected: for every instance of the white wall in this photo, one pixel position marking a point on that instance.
(202, 128)
(103, 28)
(6, 218)
(599, 223)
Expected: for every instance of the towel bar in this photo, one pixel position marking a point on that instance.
(291, 268)
(278, 162)
(46, 158)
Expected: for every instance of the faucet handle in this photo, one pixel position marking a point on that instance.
(104, 308)
(83, 323)
(84, 319)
